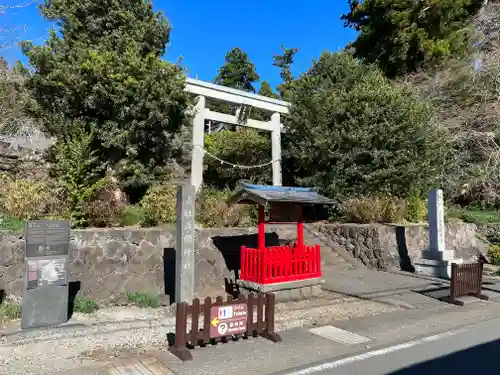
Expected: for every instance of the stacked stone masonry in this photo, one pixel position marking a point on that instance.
(108, 262)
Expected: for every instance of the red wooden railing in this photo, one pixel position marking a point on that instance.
(278, 264)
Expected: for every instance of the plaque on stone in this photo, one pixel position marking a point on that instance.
(52, 272)
(184, 249)
(47, 238)
(45, 298)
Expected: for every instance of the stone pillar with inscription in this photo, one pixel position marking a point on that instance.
(184, 245)
(45, 297)
(436, 260)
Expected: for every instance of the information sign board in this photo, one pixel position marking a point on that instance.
(227, 320)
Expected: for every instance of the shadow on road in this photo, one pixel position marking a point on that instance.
(475, 360)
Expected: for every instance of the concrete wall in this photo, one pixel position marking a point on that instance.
(108, 262)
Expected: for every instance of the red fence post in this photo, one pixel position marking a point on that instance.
(264, 274)
(318, 261)
(300, 230)
(262, 228)
(243, 263)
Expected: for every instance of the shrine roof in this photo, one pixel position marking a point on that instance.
(265, 194)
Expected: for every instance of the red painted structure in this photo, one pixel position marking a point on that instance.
(276, 264)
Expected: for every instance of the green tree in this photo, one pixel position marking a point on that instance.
(244, 147)
(78, 171)
(351, 131)
(237, 72)
(284, 62)
(259, 114)
(405, 35)
(103, 68)
(266, 90)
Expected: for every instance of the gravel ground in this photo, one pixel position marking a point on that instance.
(131, 331)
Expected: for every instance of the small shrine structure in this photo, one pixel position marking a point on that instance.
(291, 271)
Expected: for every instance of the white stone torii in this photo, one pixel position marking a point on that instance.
(203, 90)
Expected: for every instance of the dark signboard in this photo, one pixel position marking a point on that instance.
(227, 320)
(47, 238)
(284, 213)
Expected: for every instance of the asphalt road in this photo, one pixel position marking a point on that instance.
(467, 351)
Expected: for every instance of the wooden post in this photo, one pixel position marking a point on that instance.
(269, 324)
(179, 348)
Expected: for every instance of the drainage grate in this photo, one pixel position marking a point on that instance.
(148, 366)
(339, 335)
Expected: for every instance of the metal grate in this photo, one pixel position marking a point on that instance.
(339, 335)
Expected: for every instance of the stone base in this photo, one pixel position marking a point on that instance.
(439, 255)
(435, 268)
(288, 291)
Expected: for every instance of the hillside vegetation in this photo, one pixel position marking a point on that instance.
(411, 104)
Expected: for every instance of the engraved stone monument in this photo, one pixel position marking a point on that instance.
(45, 297)
(436, 260)
(184, 248)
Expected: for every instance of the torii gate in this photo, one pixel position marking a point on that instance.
(245, 99)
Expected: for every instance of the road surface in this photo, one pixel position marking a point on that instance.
(472, 350)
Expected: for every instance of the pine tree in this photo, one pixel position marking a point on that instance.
(284, 62)
(103, 68)
(266, 90)
(237, 72)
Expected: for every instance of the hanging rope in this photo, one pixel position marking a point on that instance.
(236, 165)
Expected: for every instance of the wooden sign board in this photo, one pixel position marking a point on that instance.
(284, 213)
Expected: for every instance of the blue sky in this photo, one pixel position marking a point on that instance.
(205, 30)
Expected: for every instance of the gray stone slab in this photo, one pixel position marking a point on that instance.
(45, 298)
(44, 306)
(184, 247)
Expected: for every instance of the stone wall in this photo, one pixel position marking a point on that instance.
(383, 246)
(23, 157)
(108, 262)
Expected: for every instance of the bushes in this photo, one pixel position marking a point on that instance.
(23, 199)
(132, 216)
(143, 300)
(383, 210)
(9, 310)
(106, 206)
(494, 254)
(85, 305)
(159, 207)
(416, 209)
(159, 204)
(213, 211)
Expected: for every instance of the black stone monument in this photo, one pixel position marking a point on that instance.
(45, 298)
